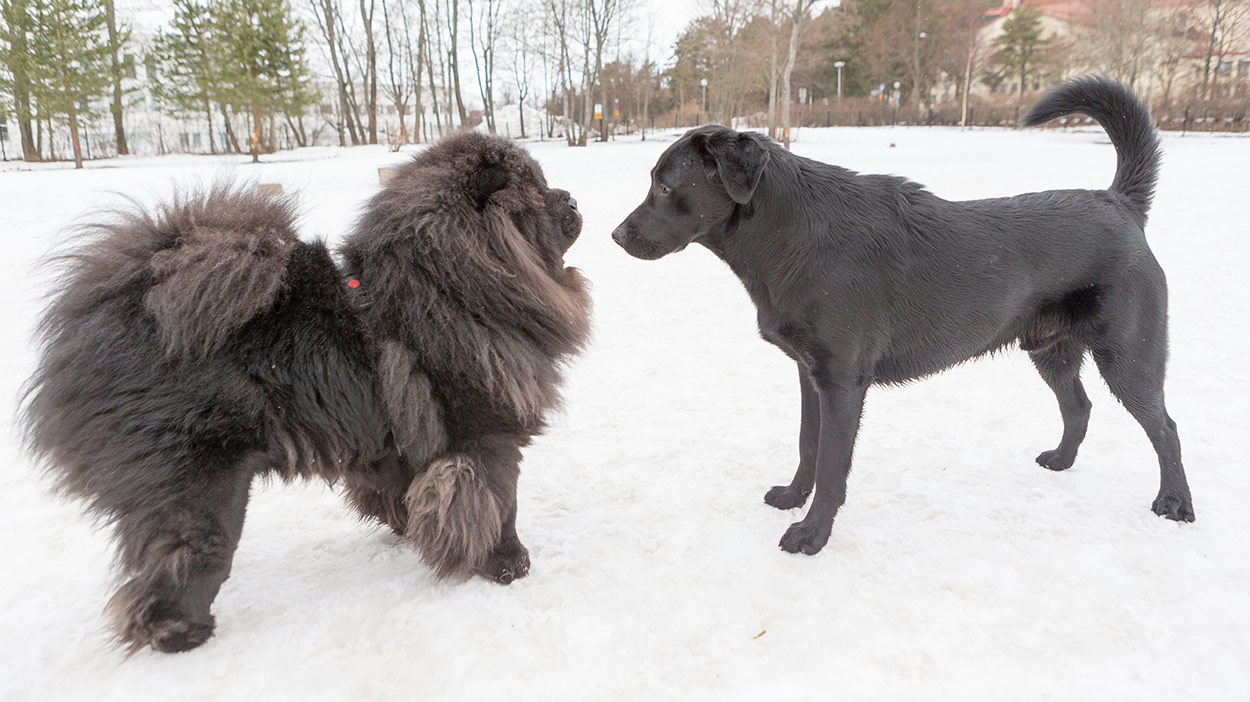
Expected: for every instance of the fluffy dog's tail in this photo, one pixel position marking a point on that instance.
(144, 284)
(1128, 124)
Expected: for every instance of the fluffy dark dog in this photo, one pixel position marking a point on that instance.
(195, 347)
(869, 279)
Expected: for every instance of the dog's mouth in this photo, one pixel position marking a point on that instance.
(571, 227)
(645, 249)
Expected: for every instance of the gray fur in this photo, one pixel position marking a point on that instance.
(197, 345)
(453, 516)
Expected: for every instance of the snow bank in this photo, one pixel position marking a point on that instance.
(957, 570)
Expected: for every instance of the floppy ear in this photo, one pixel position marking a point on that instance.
(740, 161)
(490, 177)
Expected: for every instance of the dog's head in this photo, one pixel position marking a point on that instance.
(501, 192)
(695, 187)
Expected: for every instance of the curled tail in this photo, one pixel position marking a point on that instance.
(226, 264)
(1128, 124)
(142, 287)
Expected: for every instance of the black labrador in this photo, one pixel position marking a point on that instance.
(870, 279)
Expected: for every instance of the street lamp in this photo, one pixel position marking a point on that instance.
(838, 65)
(703, 82)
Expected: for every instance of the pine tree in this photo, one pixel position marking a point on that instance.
(1020, 46)
(17, 24)
(262, 66)
(117, 38)
(70, 55)
(187, 64)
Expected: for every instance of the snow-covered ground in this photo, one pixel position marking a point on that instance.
(958, 569)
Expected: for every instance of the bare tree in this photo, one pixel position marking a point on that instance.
(328, 18)
(370, 69)
(1224, 21)
(560, 13)
(399, 82)
(1119, 38)
(484, 30)
(801, 9)
(523, 41)
(453, 56)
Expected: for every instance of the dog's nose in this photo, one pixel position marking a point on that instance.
(573, 202)
(618, 235)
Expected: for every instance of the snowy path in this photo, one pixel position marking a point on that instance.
(958, 568)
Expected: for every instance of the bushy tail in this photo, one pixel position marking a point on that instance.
(1128, 124)
(142, 285)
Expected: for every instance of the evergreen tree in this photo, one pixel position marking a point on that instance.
(261, 61)
(186, 64)
(1020, 46)
(69, 60)
(16, 27)
(117, 38)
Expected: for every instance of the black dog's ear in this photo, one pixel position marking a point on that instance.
(740, 160)
(490, 177)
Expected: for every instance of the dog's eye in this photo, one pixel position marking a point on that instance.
(664, 189)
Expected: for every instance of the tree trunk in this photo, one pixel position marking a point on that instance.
(73, 119)
(963, 108)
(232, 141)
(371, 71)
(31, 151)
(119, 131)
(772, 85)
(255, 133)
(208, 116)
(800, 9)
(453, 58)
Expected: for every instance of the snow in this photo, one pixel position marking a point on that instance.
(958, 568)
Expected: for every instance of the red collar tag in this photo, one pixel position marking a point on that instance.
(353, 283)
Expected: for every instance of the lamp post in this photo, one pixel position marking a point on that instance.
(703, 82)
(838, 65)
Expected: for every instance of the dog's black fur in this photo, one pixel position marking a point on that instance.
(192, 348)
(870, 279)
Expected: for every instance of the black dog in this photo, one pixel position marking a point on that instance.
(870, 279)
(195, 347)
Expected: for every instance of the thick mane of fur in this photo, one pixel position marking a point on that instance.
(454, 275)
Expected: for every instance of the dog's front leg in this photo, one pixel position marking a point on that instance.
(841, 403)
(510, 559)
(795, 494)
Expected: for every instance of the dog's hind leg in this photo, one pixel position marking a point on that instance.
(795, 494)
(177, 554)
(1131, 353)
(378, 490)
(1060, 366)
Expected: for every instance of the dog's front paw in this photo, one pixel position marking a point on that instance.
(786, 496)
(506, 563)
(1054, 460)
(803, 537)
(1175, 507)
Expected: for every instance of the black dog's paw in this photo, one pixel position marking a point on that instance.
(802, 537)
(1053, 460)
(506, 563)
(786, 496)
(1178, 508)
